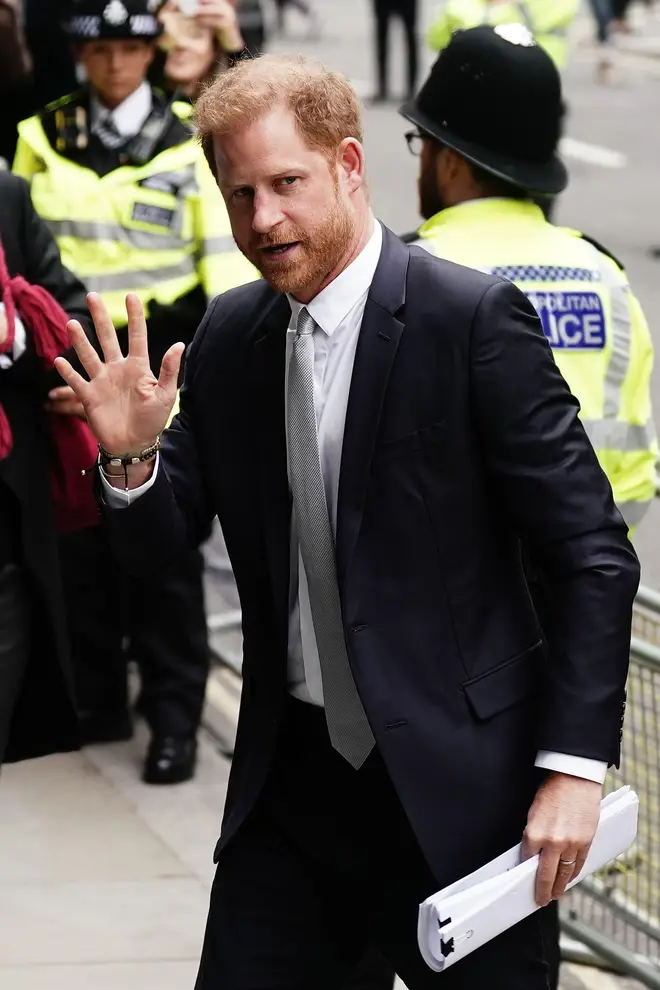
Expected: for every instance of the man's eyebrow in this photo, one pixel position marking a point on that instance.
(279, 173)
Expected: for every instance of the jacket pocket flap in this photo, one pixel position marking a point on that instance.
(502, 686)
(411, 441)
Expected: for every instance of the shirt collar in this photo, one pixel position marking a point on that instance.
(130, 115)
(335, 302)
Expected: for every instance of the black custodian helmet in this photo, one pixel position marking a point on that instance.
(494, 96)
(96, 20)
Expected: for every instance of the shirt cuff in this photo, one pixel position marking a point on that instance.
(20, 343)
(117, 498)
(575, 766)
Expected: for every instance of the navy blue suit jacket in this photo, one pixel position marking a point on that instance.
(462, 451)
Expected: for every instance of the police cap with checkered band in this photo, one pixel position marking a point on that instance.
(95, 20)
(494, 96)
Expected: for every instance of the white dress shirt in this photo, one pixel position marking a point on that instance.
(130, 115)
(338, 311)
(7, 360)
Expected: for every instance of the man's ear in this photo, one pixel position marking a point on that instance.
(350, 159)
(452, 163)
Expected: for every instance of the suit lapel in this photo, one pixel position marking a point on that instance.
(377, 347)
(267, 380)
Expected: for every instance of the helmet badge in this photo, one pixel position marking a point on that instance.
(115, 13)
(516, 34)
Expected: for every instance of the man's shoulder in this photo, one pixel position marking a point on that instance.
(243, 299)
(234, 316)
(447, 279)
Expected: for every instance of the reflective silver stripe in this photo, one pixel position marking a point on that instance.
(617, 369)
(633, 512)
(219, 245)
(610, 434)
(101, 230)
(125, 281)
(180, 180)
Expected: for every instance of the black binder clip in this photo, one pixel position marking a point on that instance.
(446, 947)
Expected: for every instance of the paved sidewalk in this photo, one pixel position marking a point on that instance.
(104, 881)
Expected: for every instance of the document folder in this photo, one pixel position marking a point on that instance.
(472, 911)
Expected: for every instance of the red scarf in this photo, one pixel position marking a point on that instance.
(73, 447)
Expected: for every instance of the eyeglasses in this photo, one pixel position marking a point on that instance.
(415, 142)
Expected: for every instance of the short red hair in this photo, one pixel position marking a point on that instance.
(324, 104)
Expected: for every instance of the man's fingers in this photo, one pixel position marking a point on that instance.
(546, 876)
(105, 330)
(530, 846)
(73, 408)
(137, 327)
(581, 860)
(89, 359)
(565, 870)
(72, 378)
(65, 402)
(61, 394)
(169, 370)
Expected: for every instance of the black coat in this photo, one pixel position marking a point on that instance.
(462, 442)
(45, 719)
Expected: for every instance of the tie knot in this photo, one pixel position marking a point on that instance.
(306, 323)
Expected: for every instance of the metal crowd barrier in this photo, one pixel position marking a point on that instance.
(614, 916)
(616, 913)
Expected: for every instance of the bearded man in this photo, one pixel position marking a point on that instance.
(378, 431)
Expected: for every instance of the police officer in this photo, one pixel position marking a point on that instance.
(117, 174)
(548, 20)
(487, 124)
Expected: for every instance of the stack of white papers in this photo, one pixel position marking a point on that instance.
(472, 911)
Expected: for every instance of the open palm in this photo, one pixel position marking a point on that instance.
(126, 406)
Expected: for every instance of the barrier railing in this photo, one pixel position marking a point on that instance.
(615, 916)
(616, 913)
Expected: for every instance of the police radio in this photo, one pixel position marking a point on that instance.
(71, 128)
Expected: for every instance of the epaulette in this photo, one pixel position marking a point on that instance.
(409, 238)
(65, 123)
(600, 247)
(63, 101)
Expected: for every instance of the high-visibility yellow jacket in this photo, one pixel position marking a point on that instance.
(158, 229)
(548, 20)
(593, 323)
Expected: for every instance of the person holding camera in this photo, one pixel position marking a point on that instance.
(200, 38)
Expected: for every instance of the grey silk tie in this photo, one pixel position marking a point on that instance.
(349, 729)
